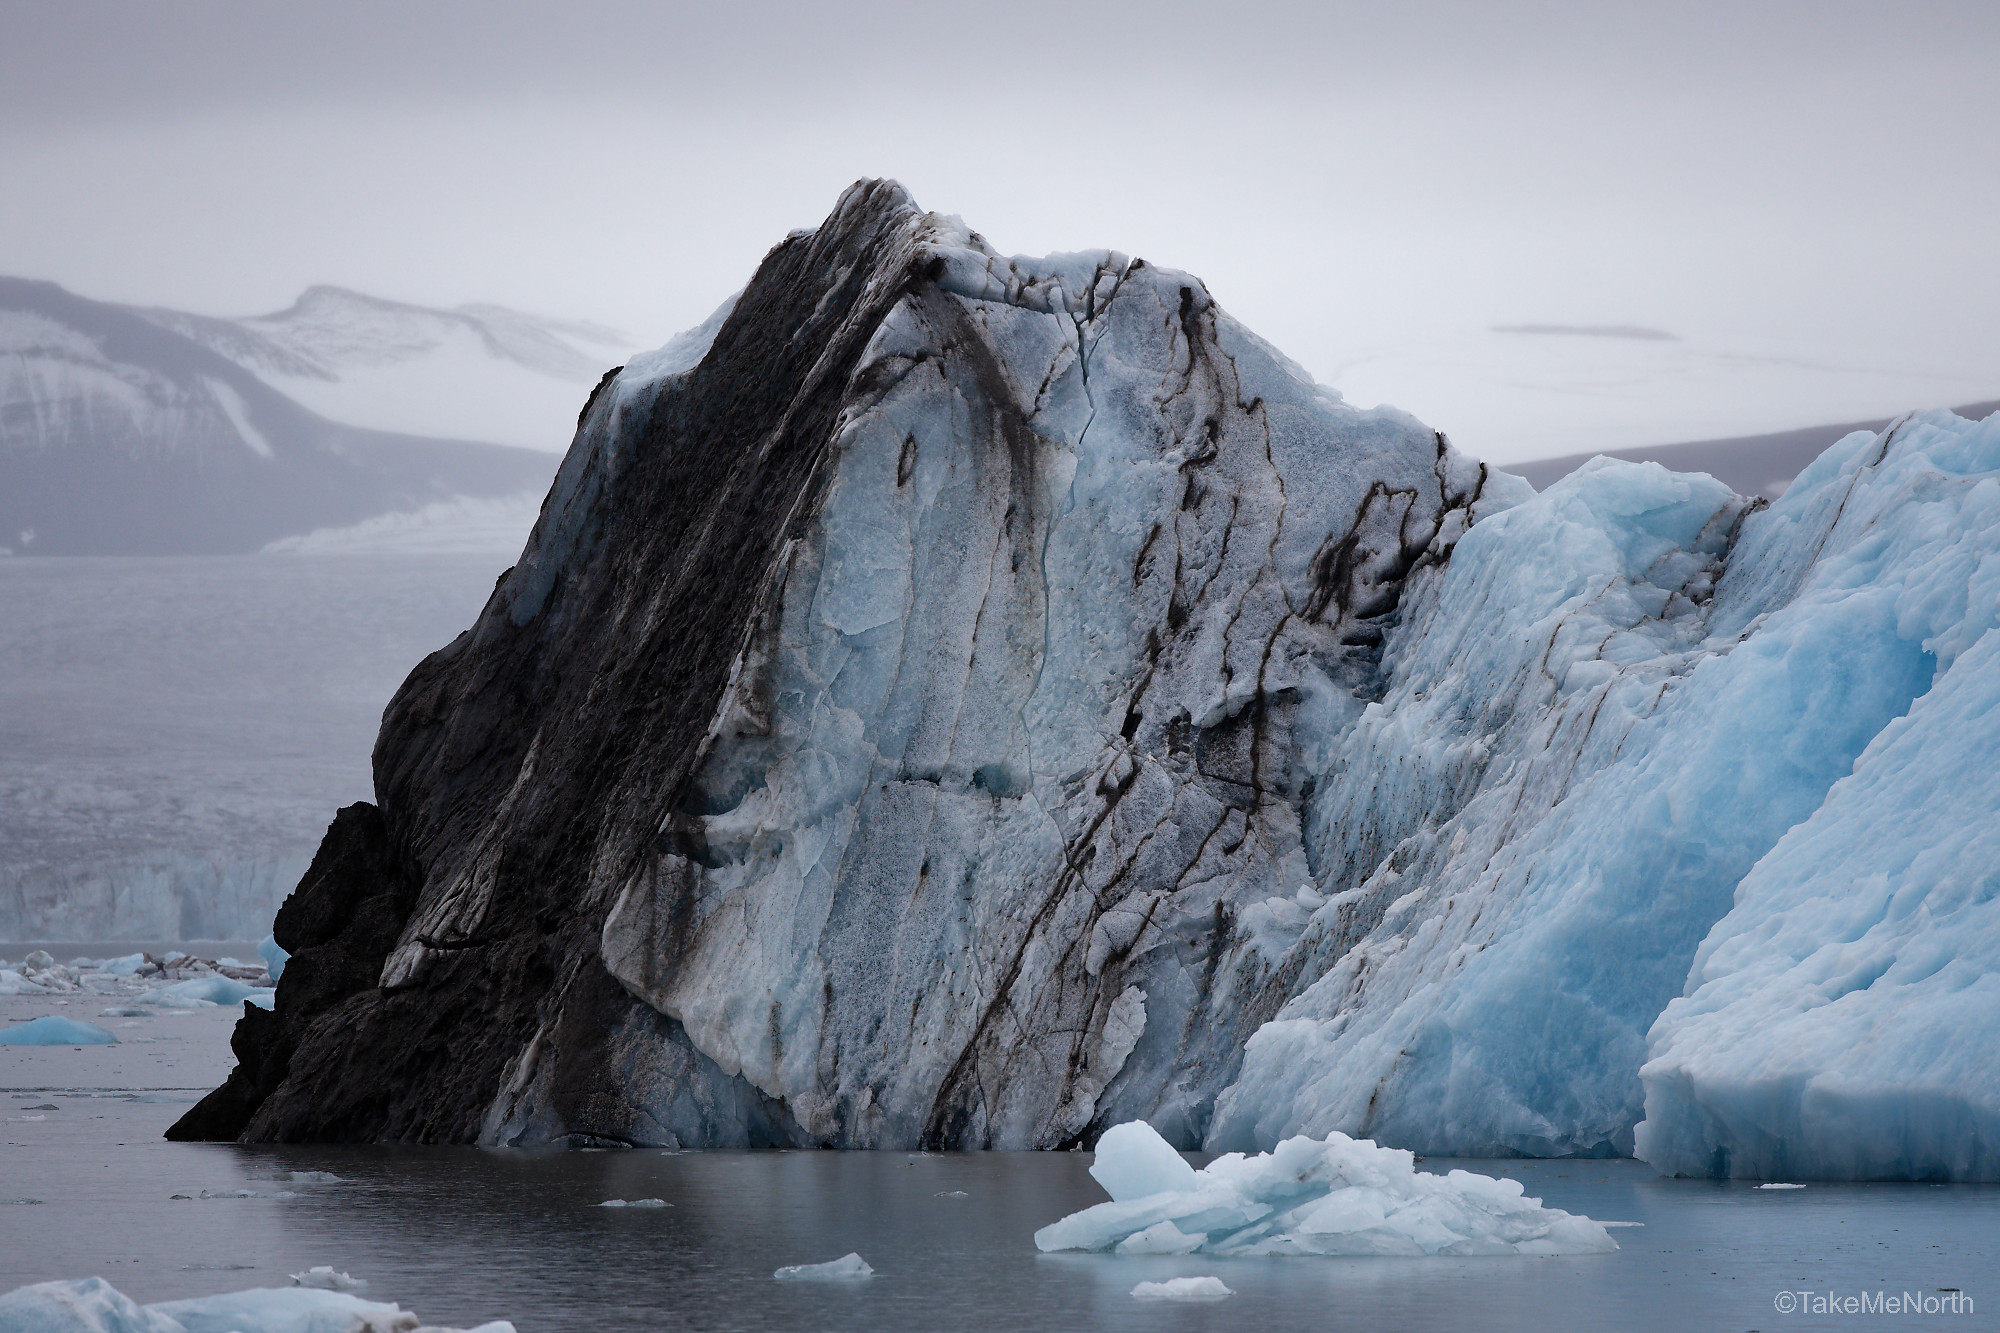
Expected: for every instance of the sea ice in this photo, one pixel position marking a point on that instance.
(13, 983)
(1308, 1196)
(124, 966)
(847, 1266)
(315, 1178)
(635, 1203)
(55, 1030)
(1183, 1289)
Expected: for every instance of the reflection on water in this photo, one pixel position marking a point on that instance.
(462, 1235)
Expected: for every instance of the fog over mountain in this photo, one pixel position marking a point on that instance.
(122, 435)
(480, 372)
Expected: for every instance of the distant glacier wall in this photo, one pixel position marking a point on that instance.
(164, 897)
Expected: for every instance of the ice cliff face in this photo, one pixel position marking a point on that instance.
(964, 701)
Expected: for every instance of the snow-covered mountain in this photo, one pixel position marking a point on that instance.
(480, 372)
(119, 435)
(969, 701)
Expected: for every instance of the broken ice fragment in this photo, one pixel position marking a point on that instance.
(1183, 1289)
(54, 1030)
(847, 1266)
(324, 1278)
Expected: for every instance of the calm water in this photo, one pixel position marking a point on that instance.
(462, 1235)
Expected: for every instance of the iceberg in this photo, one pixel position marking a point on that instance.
(954, 700)
(14, 983)
(274, 956)
(1839, 1020)
(845, 1268)
(198, 992)
(1308, 1196)
(55, 1030)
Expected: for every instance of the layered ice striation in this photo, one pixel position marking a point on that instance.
(1307, 1196)
(960, 700)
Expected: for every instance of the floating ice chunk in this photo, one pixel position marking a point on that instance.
(286, 1310)
(1160, 1238)
(13, 983)
(1133, 1161)
(324, 1278)
(126, 966)
(953, 1194)
(1777, 1185)
(93, 1305)
(1183, 1289)
(125, 1011)
(55, 1030)
(273, 955)
(845, 1267)
(635, 1203)
(1312, 1196)
(244, 1194)
(201, 992)
(90, 1306)
(315, 1178)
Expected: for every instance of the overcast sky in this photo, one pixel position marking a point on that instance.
(1805, 197)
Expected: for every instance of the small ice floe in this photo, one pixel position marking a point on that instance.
(126, 1011)
(635, 1203)
(838, 1270)
(25, 1203)
(324, 1278)
(1183, 1289)
(1779, 1185)
(204, 992)
(93, 1305)
(127, 966)
(314, 1178)
(54, 1030)
(953, 1194)
(243, 1194)
(1308, 1196)
(13, 983)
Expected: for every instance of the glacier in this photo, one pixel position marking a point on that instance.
(968, 701)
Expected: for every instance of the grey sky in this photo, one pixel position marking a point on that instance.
(1804, 195)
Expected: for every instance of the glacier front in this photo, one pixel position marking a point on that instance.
(964, 701)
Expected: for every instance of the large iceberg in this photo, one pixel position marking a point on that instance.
(962, 700)
(1307, 1196)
